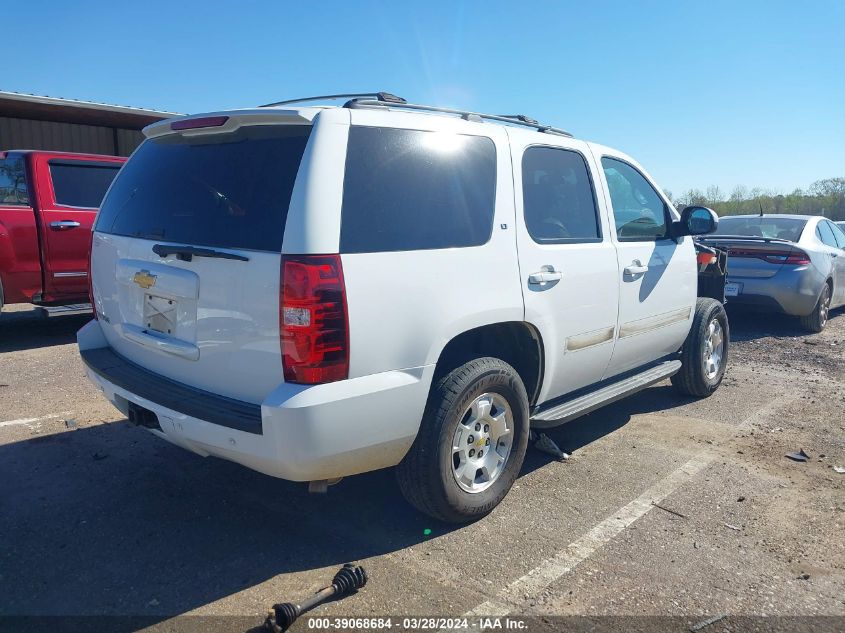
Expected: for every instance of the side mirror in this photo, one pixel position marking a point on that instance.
(696, 221)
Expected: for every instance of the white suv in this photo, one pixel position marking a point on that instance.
(315, 292)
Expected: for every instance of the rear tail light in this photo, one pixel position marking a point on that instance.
(705, 259)
(793, 257)
(313, 319)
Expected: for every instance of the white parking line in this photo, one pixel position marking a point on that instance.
(36, 421)
(554, 568)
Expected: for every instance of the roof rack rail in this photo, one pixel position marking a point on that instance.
(520, 117)
(380, 97)
(514, 119)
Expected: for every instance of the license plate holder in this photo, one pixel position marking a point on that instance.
(160, 314)
(733, 289)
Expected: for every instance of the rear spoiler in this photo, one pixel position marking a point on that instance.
(231, 121)
(743, 238)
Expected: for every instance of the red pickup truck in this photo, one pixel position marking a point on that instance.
(48, 202)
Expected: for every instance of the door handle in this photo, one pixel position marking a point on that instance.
(545, 275)
(636, 268)
(64, 225)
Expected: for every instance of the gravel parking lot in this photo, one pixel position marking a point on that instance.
(668, 506)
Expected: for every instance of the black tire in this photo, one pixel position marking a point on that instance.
(426, 475)
(817, 319)
(693, 378)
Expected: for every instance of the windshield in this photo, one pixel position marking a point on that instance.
(230, 190)
(765, 226)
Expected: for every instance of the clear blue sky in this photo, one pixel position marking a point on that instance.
(700, 92)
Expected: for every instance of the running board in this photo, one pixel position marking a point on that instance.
(54, 311)
(604, 396)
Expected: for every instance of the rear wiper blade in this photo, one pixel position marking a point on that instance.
(187, 253)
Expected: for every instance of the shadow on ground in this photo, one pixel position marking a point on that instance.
(108, 520)
(747, 325)
(585, 430)
(28, 330)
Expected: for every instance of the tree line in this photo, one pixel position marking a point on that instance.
(824, 197)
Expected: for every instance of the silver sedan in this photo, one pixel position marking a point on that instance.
(792, 264)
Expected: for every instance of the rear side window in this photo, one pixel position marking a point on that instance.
(13, 181)
(839, 234)
(639, 212)
(407, 190)
(227, 190)
(825, 232)
(558, 200)
(81, 184)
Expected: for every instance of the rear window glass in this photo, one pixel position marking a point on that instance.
(79, 184)
(766, 226)
(408, 190)
(227, 190)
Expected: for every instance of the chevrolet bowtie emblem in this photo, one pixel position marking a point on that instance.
(144, 279)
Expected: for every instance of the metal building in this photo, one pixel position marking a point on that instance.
(49, 123)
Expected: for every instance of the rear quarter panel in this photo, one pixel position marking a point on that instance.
(405, 306)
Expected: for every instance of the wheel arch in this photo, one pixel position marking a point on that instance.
(518, 343)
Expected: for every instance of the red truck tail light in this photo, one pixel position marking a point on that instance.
(314, 325)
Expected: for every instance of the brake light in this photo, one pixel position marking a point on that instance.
(313, 319)
(793, 257)
(206, 121)
(705, 259)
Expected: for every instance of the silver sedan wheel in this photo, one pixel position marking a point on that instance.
(482, 443)
(824, 307)
(714, 349)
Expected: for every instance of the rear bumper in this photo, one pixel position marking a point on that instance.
(299, 433)
(792, 291)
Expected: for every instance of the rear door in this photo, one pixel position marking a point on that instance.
(187, 252)
(657, 274)
(567, 260)
(69, 192)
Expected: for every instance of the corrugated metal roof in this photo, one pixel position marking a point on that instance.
(94, 105)
(17, 104)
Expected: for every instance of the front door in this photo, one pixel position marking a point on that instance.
(567, 262)
(657, 274)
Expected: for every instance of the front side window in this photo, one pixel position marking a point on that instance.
(81, 184)
(639, 212)
(13, 181)
(558, 200)
(407, 190)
